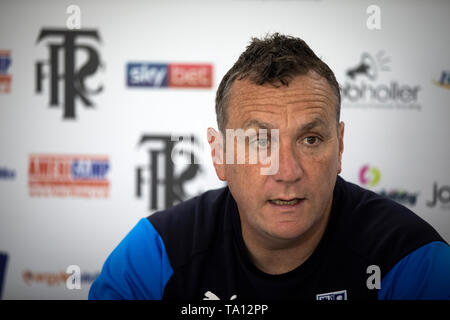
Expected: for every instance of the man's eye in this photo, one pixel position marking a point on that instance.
(261, 143)
(311, 140)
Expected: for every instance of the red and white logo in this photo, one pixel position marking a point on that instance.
(82, 176)
(190, 75)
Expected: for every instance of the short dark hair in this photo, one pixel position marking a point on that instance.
(275, 59)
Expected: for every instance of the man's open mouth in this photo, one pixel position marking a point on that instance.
(287, 202)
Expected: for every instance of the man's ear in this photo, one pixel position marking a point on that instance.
(215, 140)
(341, 145)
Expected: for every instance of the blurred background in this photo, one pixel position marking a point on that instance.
(104, 105)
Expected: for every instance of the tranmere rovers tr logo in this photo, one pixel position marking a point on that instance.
(162, 180)
(63, 71)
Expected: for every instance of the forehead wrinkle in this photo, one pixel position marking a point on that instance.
(267, 119)
(311, 97)
(260, 100)
(253, 110)
(309, 100)
(311, 109)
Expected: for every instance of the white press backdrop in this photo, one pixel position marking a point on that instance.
(400, 138)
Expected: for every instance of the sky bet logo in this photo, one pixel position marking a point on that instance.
(163, 75)
(82, 176)
(7, 174)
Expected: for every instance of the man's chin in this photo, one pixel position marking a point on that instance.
(289, 231)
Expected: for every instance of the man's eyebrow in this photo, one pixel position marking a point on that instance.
(258, 124)
(316, 122)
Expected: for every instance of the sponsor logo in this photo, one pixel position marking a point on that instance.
(171, 75)
(3, 264)
(7, 174)
(54, 279)
(336, 295)
(82, 176)
(401, 196)
(370, 176)
(364, 89)
(63, 67)
(441, 195)
(163, 179)
(5, 78)
(211, 296)
(444, 80)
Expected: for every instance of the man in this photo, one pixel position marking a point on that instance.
(295, 231)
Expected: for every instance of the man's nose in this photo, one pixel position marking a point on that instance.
(289, 170)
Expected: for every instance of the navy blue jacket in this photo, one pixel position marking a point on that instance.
(195, 251)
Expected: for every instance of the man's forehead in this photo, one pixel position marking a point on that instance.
(305, 92)
(310, 81)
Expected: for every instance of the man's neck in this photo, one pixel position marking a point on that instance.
(281, 256)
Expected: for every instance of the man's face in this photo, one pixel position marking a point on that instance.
(290, 202)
